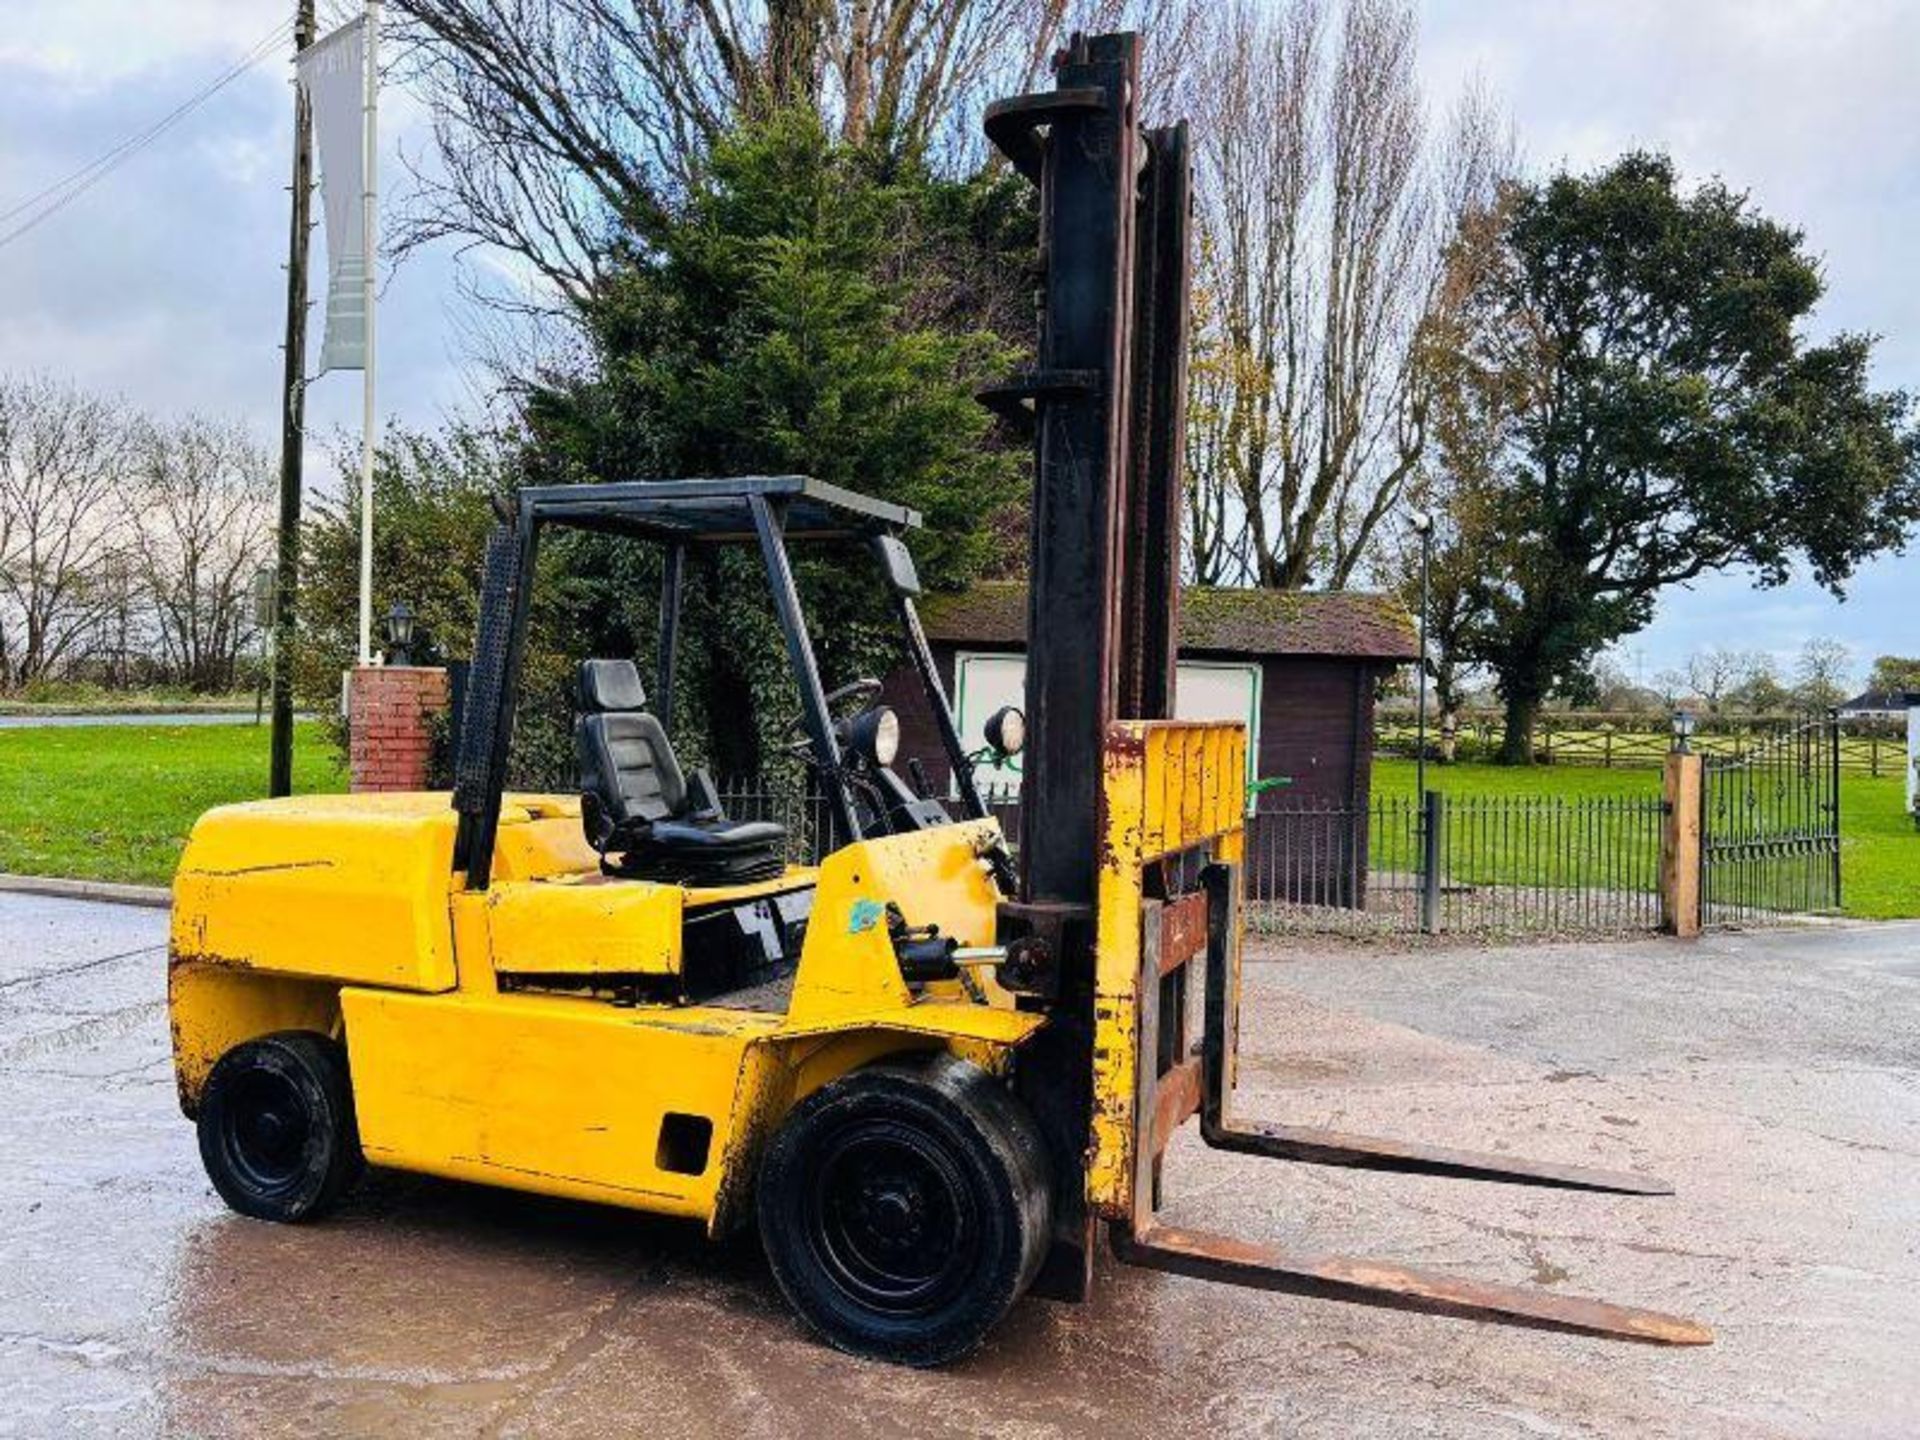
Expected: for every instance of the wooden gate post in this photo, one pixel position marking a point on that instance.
(1680, 847)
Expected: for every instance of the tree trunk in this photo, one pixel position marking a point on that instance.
(1523, 710)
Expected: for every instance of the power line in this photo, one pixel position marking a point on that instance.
(65, 191)
(252, 57)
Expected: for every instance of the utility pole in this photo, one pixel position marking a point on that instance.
(293, 400)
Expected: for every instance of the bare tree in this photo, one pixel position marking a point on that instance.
(1715, 673)
(62, 521)
(1822, 673)
(1327, 212)
(564, 129)
(204, 496)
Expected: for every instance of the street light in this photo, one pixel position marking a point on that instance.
(1422, 522)
(399, 626)
(1683, 723)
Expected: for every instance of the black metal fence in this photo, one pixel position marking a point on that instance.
(1486, 865)
(1770, 827)
(1482, 865)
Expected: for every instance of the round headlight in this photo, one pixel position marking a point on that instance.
(875, 734)
(1007, 730)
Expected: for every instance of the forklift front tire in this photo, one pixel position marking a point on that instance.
(905, 1207)
(277, 1132)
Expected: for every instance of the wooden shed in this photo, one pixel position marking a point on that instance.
(1301, 668)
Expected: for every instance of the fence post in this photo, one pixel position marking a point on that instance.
(1680, 857)
(1433, 810)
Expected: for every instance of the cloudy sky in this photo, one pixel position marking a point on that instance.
(164, 280)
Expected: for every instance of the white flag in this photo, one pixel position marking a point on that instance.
(333, 73)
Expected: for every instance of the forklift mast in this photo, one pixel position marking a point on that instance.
(1104, 406)
(1131, 825)
(1104, 402)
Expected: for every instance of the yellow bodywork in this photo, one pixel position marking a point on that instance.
(343, 914)
(1168, 786)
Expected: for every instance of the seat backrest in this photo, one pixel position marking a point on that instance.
(628, 771)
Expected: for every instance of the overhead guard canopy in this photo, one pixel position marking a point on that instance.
(716, 511)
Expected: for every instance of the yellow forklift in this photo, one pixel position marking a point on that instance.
(933, 1069)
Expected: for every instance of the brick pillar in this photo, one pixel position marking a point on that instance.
(389, 710)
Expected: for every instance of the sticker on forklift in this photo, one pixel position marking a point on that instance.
(866, 915)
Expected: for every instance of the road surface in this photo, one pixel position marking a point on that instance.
(1775, 1078)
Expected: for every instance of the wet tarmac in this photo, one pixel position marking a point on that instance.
(1775, 1078)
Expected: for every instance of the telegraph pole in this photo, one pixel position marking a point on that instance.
(293, 401)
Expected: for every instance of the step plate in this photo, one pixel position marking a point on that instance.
(1204, 1256)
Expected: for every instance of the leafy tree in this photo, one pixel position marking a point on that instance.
(1634, 362)
(1760, 691)
(809, 309)
(432, 514)
(1895, 673)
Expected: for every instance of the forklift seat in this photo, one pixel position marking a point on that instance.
(640, 811)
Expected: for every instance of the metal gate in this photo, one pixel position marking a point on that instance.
(1770, 827)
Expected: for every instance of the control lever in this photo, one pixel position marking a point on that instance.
(917, 773)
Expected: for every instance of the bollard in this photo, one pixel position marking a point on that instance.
(1432, 823)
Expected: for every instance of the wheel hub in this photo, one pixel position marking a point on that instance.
(268, 1125)
(892, 1218)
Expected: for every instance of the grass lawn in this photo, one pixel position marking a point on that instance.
(1879, 846)
(115, 802)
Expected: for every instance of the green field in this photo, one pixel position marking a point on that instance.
(115, 802)
(1879, 846)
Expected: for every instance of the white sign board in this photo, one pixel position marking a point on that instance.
(1205, 691)
(1913, 754)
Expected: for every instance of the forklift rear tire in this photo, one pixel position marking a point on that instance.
(905, 1207)
(277, 1131)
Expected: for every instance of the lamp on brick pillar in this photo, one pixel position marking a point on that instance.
(399, 626)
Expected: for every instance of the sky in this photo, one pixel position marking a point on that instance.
(165, 282)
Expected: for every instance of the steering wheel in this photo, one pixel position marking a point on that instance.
(862, 690)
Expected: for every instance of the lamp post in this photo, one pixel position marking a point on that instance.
(1683, 722)
(1422, 522)
(399, 627)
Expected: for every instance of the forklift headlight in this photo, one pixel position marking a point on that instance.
(875, 734)
(1007, 730)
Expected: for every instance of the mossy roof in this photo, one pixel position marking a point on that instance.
(1352, 623)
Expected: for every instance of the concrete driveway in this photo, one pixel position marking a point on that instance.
(1775, 1077)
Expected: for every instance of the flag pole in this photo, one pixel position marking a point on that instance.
(367, 243)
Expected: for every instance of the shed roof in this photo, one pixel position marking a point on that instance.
(1349, 623)
(1889, 701)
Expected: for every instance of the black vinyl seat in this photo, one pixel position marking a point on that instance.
(640, 811)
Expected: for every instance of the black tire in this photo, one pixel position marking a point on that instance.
(277, 1132)
(905, 1207)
